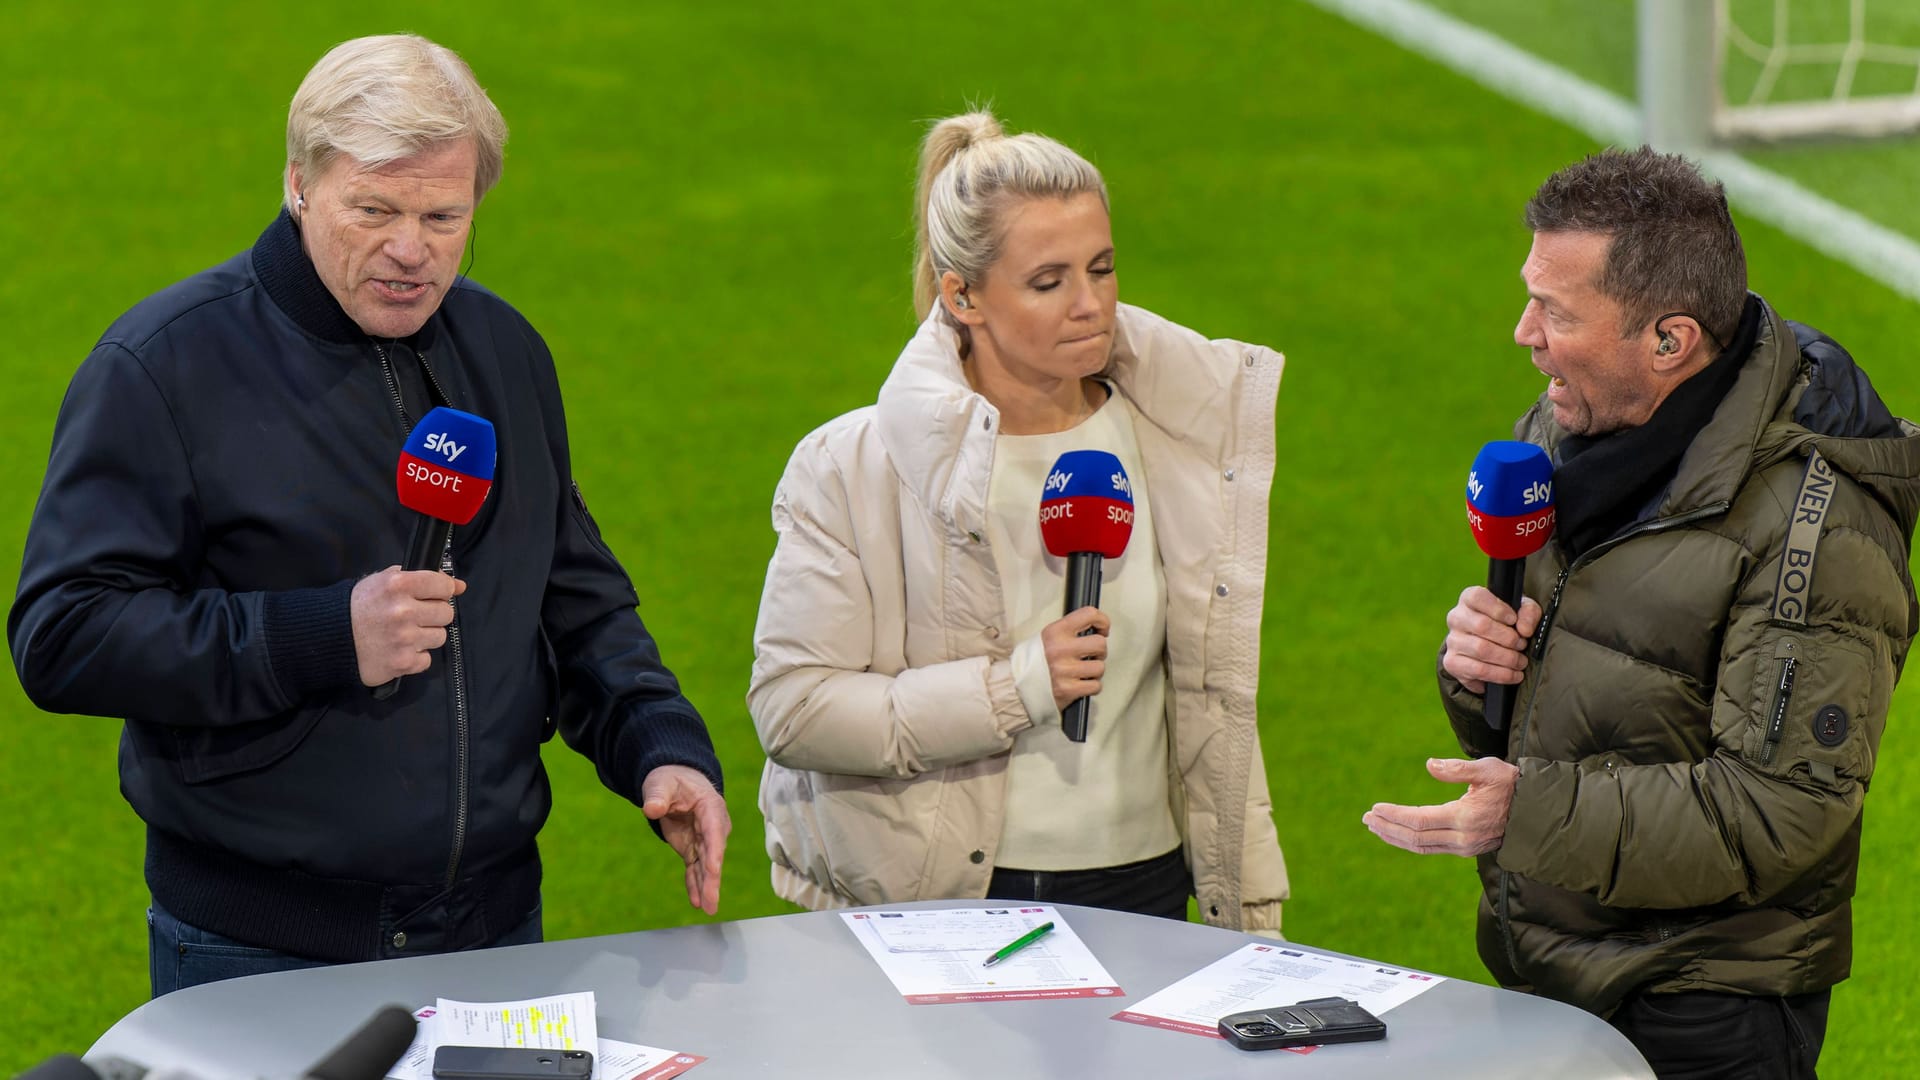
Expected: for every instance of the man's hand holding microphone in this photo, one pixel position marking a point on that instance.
(399, 618)
(1511, 510)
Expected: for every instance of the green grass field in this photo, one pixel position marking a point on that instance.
(706, 211)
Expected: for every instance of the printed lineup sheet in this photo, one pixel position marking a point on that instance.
(1269, 974)
(612, 1060)
(937, 957)
(561, 1022)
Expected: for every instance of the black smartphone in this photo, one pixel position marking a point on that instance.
(1308, 1023)
(510, 1063)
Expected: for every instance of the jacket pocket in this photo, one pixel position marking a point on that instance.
(205, 754)
(1818, 707)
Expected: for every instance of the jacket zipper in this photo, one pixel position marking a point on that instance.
(457, 671)
(1785, 662)
(1546, 620)
(1539, 650)
(393, 388)
(456, 659)
(1526, 721)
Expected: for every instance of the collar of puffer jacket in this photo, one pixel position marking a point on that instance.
(938, 430)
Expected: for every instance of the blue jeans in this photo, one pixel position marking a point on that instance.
(180, 954)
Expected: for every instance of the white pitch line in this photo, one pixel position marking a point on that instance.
(1819, 222)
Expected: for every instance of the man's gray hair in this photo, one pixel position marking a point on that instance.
(1672, 242)
(380, 99)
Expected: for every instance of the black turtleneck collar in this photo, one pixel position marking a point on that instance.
(288, 276)
(1608, 482)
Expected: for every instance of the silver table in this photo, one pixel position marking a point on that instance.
(797, 996)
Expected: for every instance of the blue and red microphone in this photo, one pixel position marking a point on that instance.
(445, 473)
(1086, 515)
(1510, 508)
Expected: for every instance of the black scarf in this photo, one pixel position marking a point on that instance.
(1607, 483)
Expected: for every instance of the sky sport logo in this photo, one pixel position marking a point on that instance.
(1509, 499)
(1086, 505)
(446, 468)
(1540, 491)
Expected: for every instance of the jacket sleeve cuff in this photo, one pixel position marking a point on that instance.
(1034, 681)
(1467, 711)
(1565, 827)
(667, 737)
(309, 635)
(1005, 697)
(1543, 839)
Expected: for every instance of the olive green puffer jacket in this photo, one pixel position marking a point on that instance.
(1696, 731)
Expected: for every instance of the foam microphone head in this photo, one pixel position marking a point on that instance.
(1087, 505)
(1510, 499)
(373, 1049)
(446, 468)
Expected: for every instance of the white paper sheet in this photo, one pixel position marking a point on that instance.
(937, 956)
(612, 1059)
(631, 1061)
(1266, 974)
(560, 1022)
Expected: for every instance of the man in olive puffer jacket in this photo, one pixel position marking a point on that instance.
(1669, 830)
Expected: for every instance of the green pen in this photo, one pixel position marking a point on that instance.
(1019, 943)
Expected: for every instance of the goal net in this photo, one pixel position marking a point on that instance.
(1792, 69)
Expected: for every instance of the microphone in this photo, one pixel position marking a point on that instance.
(445, 473)
(1086, 514)
(367, 1054)
(376, 1045)
(1510, 508)
(60, 1067)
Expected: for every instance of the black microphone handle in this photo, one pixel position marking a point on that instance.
(424, 549)
(371, 1050)
(428, 543)
(1083, 590)
(1504, 580)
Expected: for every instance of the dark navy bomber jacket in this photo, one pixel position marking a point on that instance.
(222, 472)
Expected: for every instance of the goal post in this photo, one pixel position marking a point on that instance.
(1678, 73)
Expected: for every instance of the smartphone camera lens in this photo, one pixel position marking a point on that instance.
(1258, 1029)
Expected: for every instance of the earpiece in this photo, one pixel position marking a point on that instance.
(960, 301)
(1667, 344)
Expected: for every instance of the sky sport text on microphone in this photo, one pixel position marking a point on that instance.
(1087, 505)
(446, 467)
(1510, 499)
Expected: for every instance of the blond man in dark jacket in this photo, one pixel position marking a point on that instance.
(1668, 831)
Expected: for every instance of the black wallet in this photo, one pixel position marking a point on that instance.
(1308, 1023)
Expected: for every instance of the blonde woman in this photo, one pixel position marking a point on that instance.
(911, 662)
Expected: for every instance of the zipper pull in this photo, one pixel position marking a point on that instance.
(1786, 657)
(1546, 617)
